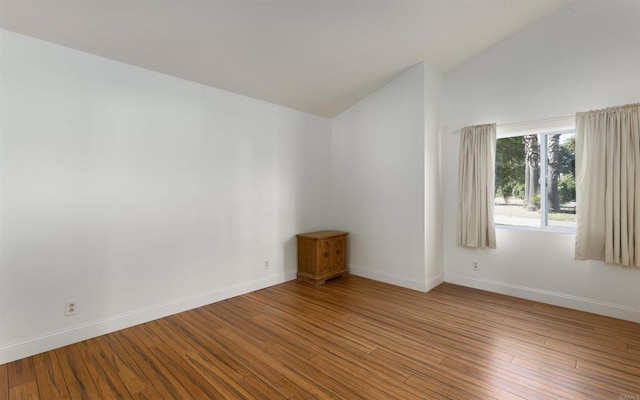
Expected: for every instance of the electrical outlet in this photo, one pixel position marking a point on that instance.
(266, 264)
(70, 307)
(474, 266)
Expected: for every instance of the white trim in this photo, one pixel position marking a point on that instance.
(536, 127)
(397, 280)
(545, 296)
(571, 230)
(531, 127)
(53, 340)
(433, 282)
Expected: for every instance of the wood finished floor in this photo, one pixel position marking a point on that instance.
(352, 338)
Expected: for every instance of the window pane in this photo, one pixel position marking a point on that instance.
(520, 175)
(561, 183)
(517, 197)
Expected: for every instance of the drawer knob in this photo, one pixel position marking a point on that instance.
(326, 254)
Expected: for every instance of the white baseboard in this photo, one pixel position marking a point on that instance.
(392, 279)
(548, 297)
(54, 340)
(433, 282)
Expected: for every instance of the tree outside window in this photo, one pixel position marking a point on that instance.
(524, 165)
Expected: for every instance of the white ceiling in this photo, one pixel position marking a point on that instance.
(320, 57)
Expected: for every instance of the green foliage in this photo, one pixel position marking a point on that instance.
(568, 156)
(509, 165)
(567, 188)
(567, 180)
(536, 199)
(505, 191)
(510, 169)
(518, 191)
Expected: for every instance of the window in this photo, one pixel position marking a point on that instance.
(535, 181)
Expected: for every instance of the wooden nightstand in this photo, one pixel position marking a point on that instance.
(321, 256)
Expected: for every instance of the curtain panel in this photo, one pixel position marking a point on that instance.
(608, 185)
(475, 223)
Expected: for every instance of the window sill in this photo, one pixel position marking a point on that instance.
(550, 229)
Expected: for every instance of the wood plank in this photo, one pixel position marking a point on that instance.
(348, 339)
(303, 395)
(303, 381)
(300, 343)
(439, 382)
(592, 385)
(311, 372)
(306, 347)
(106, 378)
(355, 336)
(228, 387)
(437, 389)
(21, 372)
(25, 391)
(116, 355)
(239, 319)
(373, 385)
(49, 376)
(206, 344)
(163, 381)
(259, 389)
(4, 382)
(621, 377)
(456, 348)
(258, 361)
(501, 379)
(198, 354)
(146, 334)
(625, 362)
(195, 384)
(168, 332)
(76, 373)
(316, 332)
(150, 393)
(399, 341)
(584, 337)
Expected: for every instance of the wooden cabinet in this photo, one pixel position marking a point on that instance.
(321, 256)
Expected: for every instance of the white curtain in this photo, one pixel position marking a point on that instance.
(476, 165)
(608, 185)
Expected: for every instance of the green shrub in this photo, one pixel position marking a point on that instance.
(567, 188)
(505, 192)
(536, 199)
(518, 190)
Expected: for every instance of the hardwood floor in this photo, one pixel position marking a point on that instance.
(352, 338)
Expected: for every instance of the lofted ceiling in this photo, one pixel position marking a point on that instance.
(319, 57)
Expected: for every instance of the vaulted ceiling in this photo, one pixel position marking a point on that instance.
(320, 57)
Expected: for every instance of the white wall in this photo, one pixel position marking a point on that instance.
(585, 56)
(140, 194)
(433, 222)
(378, 179)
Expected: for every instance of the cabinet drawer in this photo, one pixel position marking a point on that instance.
(323, 256)
(339, 252)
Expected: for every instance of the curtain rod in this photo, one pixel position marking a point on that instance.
(536, 121)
